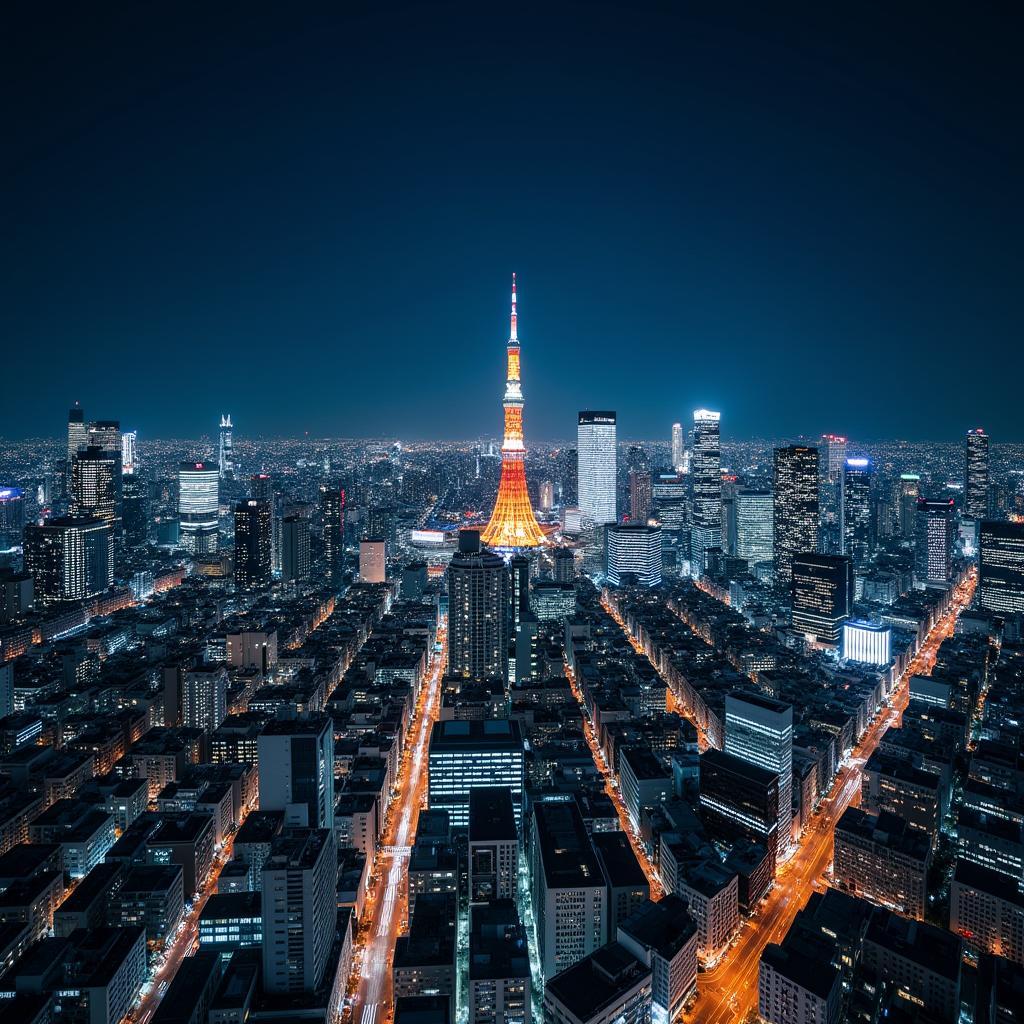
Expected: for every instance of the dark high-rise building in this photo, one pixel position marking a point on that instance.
(795, 507)
(519, 573)
(822, 595)
(738, 798)
(858, 535)
(933, 546)
(261, 487)
(135, 511)
(976, 474)
(69, 559)
(95, 481)
(909, 491)
(332, 514)
(479, 605)
(295, 548)
(639, 495)
(563, 565)
(1001, 561)
(106, 435)
(706, 463)
(12, 517)
(568, 474)
(253, 555)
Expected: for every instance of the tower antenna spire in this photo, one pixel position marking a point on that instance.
(513, 336)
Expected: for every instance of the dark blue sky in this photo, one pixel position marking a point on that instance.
(310, 221)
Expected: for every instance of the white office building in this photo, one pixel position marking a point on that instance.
(198, 501)
(204, 698)
(595, 448)
(633, 554)
(867, 642)
(755, 518)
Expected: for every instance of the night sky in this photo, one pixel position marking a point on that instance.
(310, 221)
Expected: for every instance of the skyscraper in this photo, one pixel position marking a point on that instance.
(12, 517)
(253, 556)
(513, 524)
(855, 510)
(332, 515)
(596, 448)
(639, 495)
(69, 558)
(479, 605)
(795, 509)
(836, 445)
(198, 504)
(759, 730)
(822, 596)
(633, 554)
(706, 464)
(93, 490)
(1001, 563)
(135, 511)
(78, 433)
(296, 767)
(225, 452)
(678, 447)
(299, 908)
(129, 452)
(933, 545)
(754, 527)
(909, 492)
(976, 474)
(295, 562)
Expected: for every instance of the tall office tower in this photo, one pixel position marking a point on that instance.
(204, 698)
(754, 525)
(596, 462)
(332, 515)
(373, 560)
(129, 452)
(78, 433)
(706, 467)
(547, 495)
(519, 580)
(822, 596)
(795, 509)
(253, 556)
(93, 485)
(570, 898)
(909, 491)
(106, 435)
(759, 730)
(633, 555)
(300, 910)
(295, 562)
(69, 559)
(12, 517)
(855, 510)
(1001, 562)
(225, 451)
(563, 565)
(296, 767)
(465, 755)
(976, 474)
(135, 511)
(568, 477)
(933, 545)
(678, 447)
(198, 503)
(513, 524)
(479, 602)
(639, 495)
(836, 446)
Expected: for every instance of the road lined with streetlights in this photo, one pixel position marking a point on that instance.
(371, 1000)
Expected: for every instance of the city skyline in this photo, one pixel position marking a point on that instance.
(789, 194)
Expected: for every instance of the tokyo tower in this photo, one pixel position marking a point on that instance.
(512, 522)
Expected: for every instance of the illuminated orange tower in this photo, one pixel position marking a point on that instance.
(512, 522)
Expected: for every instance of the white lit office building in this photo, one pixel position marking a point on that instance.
(595, 448)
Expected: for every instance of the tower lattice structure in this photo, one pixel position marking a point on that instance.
(513, 524)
